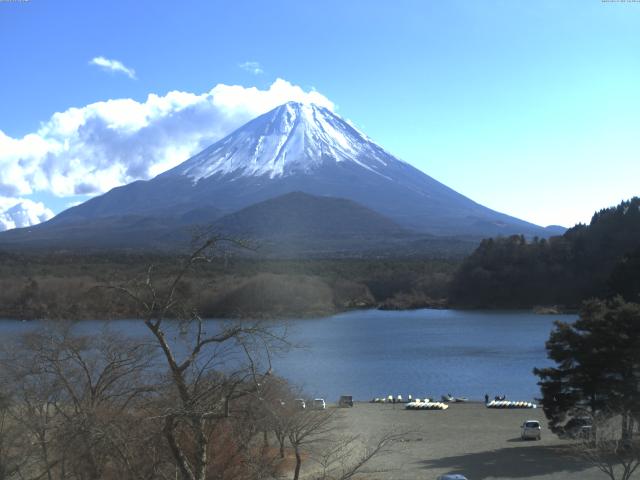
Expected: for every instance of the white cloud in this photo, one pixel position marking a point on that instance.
(252, 67)
(16, 212)
(92, 149)
(113, 66)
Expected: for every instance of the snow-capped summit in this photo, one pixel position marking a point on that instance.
(293, 148)
(292, 138)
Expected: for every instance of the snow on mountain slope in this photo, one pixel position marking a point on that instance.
(297, 148)
(293, 138)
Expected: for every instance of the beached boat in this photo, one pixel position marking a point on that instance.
(510, 404)
(426, 406)
(451, 399)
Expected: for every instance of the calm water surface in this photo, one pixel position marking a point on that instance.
(421, 352)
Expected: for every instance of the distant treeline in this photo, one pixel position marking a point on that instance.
(601, 259)
(66, 285)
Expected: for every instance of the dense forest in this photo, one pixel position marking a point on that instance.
(601, 259)
(76, 286)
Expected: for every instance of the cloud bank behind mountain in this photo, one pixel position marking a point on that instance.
(92, 149)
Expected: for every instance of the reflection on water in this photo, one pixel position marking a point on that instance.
(420, 352)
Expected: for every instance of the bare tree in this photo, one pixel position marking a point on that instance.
(346, 458)
(316, 434)
(35, 414)
(614, 452)
(306, 429)
(187, 402)
(77, 399)
(216, 365)
(279, 423)
(276, 406)
(15, 448)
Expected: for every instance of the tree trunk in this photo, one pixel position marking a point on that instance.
(202, 442)
(178, 455)
(63, 465)
(627, 429)
(93, 467)
(45, 454)
(296, 473)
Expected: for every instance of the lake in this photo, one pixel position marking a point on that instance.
(427, 352)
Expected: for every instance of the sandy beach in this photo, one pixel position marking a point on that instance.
(481, 443)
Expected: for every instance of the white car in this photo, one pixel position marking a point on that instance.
(531, 429)
(319, 404)
(300, 403)
(452, 476)
(578, 427)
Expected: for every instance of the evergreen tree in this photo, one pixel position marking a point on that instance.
(597, 365)
(625, 278)
(596, 260)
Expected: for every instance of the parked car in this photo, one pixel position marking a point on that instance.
(300, 403)
(531, 429)
(345, 401)
(319, 404)
(452, 476)
(578, 427)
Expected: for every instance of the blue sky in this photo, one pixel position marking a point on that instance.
(530, 108)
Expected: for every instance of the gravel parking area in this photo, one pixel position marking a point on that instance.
(469, 438)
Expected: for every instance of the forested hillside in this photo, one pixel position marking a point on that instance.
(71, 286)
(601, 259)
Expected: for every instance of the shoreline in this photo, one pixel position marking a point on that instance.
(543, 311)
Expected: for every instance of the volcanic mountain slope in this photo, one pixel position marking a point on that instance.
(298, 224)
(301, 215)
(293, 148)
(293, 225)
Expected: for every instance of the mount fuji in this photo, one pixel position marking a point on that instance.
(293, 148)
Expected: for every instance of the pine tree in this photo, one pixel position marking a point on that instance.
(597, 365)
